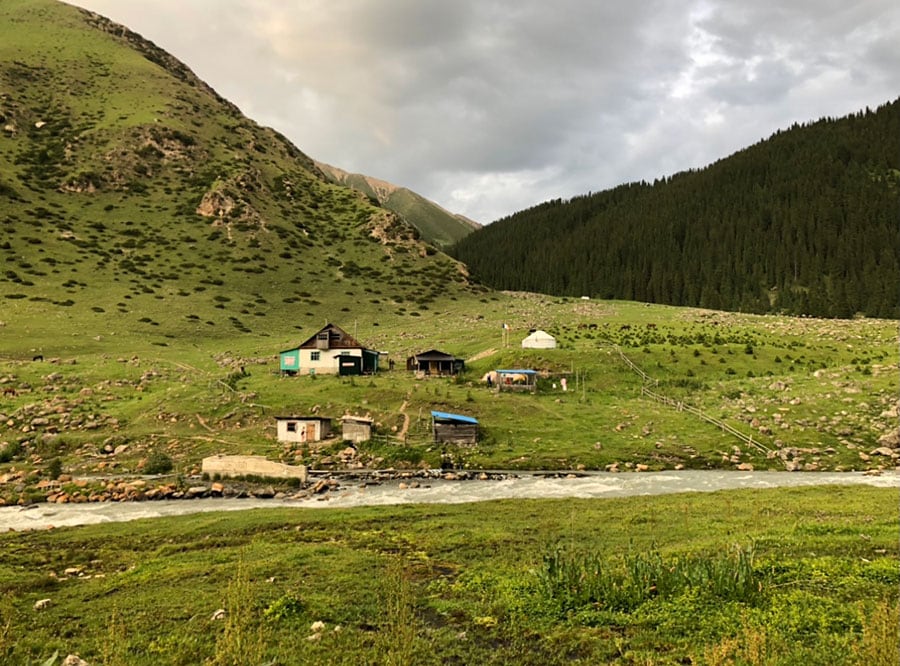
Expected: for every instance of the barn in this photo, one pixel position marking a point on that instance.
(539, 340)
(435, 363)
(454, 428)
(302, 428)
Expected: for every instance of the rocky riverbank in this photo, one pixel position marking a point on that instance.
(22, 488)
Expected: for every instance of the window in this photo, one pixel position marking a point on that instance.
(314, 356)
(292, 426)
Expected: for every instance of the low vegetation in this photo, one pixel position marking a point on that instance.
(739, 577)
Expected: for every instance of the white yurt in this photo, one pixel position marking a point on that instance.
(539, 340)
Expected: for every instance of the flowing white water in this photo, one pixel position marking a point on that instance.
(350, 494)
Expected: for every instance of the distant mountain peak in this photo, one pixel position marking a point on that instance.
(436, 224)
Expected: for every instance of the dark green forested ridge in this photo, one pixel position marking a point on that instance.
(804, 222)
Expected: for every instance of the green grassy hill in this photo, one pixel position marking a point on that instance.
(435, 224)
(155, 241)
(136, 199)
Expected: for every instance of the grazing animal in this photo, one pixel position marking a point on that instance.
(10, 391)
(39, 357)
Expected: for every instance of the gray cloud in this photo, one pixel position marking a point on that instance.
(491, 106)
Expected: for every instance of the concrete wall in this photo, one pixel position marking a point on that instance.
(252, 465)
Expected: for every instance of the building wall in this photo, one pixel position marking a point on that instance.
(354, 431)
(303, 430)
(290, 360)
(463, 433)
(252, 465)
(327, 363)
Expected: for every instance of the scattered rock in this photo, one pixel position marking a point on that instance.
(891, 439)
(74, 660)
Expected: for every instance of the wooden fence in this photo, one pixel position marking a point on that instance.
(684, 407)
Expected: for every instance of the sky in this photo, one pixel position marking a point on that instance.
(488, 107)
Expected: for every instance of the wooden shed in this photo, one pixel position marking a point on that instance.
(434, 362)
(454, 428)
(302, 428)
(356, 429)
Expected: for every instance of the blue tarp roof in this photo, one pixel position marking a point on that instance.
(444, 416)
(520, 372)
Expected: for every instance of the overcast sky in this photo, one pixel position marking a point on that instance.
(491, 106)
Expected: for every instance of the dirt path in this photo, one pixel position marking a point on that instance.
(405, 428)
(481, 355)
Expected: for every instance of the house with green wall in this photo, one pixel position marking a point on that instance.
(330, 351)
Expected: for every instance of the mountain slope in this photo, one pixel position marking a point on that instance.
(437, 225)
(804, 223)
(136, 198)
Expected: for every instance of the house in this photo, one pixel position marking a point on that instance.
(434, 362)
(302, 428)
(539, 340)
(356, 429)
(454, 428)
(330, 351)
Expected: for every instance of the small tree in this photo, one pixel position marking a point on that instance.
(158, 463)
(54, 468)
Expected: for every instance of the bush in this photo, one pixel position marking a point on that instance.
(158, 463)
(54, 468)
(9, 450)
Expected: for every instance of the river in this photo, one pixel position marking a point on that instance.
(438, 491)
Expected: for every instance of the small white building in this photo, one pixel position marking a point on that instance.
(539, 340)
(302, 428)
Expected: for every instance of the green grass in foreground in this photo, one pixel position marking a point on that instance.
(785, 576)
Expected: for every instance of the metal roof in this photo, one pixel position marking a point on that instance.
(520, 372)
(444, 416)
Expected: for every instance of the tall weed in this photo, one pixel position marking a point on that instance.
(242, 643)
(576, 579)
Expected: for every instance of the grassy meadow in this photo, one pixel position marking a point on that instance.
(158, 249)
(154, 242)
(817, 394)
(778, 576)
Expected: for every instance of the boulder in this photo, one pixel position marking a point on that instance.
(74, 660)
(891, 439)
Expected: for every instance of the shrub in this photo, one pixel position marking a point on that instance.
(54, 468)
(158, 463)
(575, 580)
(9, 450)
